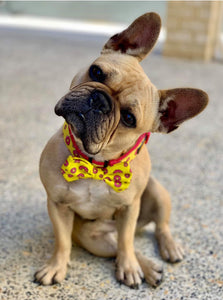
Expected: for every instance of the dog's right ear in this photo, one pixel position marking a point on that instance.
(138, 39)
(177, 106)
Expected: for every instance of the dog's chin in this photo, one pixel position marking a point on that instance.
(89, 148)
(92, 150)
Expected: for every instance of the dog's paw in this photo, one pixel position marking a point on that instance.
(153, 273)
(169, 249)
(129, 272)
(50, 273)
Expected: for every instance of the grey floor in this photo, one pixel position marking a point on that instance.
(35, 71)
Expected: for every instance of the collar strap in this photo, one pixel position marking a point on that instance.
(128, 156)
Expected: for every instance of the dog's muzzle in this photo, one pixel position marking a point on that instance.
(97, 101)
(90, 112)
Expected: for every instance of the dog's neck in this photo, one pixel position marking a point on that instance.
(76, 152)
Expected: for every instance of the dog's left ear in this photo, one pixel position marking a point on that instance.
(138, 39)
(177, 106)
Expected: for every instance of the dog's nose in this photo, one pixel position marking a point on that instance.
(100, 102)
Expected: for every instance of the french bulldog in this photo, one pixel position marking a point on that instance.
(96, 168)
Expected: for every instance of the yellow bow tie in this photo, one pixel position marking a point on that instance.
(118, 176)
(116, 173)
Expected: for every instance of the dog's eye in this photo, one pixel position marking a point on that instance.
(96, 74)
(128, 119)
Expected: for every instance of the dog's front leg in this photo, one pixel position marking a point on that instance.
(54, 271)
(128, 269)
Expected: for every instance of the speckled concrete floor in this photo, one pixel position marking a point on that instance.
(35, 71)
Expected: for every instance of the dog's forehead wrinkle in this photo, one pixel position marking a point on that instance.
(135, 103)
(117, 64)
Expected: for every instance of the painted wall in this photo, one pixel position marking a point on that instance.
(102, 11)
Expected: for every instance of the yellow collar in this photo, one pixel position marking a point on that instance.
(116, 173)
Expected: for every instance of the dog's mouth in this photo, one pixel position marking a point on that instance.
(90, 111)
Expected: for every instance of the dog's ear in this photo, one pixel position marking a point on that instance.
(138, 39)
(177, 106)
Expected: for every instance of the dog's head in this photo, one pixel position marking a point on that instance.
(113, 102)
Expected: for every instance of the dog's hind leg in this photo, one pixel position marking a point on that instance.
(100, 238)
(156, 207)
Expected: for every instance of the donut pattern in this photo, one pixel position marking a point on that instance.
(118, 176)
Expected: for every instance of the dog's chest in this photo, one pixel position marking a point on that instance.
(94, 199)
